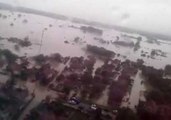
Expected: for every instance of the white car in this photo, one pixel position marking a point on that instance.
(94, 107)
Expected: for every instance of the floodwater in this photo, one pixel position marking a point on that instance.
(104, 98)
(3, 79)
(137, 88)
(136, 94)
(55, 35)
(40, 94)
(59, 31)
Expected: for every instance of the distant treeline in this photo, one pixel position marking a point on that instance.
(32, 11)
(82, 21)
(100, 51)
(91, 30)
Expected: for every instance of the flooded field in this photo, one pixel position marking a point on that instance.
(54, 33)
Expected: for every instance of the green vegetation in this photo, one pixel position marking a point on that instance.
(20, 42)
(158, 97)
(137, 44)
(126, 114)
(100, 51)
(161, 89)
(78, 116)
(10, 57)
(17, 47)
(39, 58)
(167, 70)
(91, 30)
(54, 110)
(24, 75)
(12, 24)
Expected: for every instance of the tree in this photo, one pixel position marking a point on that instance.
(126, 114)
(8, 55)
(40, 59)
(167, 70)
(66, 90)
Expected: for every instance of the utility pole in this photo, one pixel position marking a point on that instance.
(43, 31)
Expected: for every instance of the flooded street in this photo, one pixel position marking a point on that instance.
(40, 94)
(137, 88)
(104, 98)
